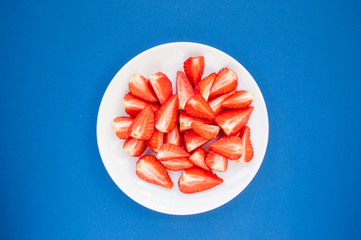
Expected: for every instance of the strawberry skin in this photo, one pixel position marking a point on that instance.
(151, 170)
(232, 121)
(185, 121)
(171, 151)
(225, 81)
(177, 164)
(216, 162)
(140, 87)
(166, 116)
(184, 89)
(194, 67)
(247, 149)
(216, 103)
(240, 99)
(133, 105)
(229, 147)
(196, 106)
(156, 141)
(193, 140)
(198, 158)
(143, 125)
(205, 85)
(205, 130)
(121, 126)
(196, 179)
(174, 137)
(162, 86)
(134, 147)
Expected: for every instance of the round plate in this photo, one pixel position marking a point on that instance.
(169, 58)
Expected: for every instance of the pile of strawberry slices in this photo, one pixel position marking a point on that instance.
(176, 126)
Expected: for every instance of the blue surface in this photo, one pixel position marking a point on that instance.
(57, 58)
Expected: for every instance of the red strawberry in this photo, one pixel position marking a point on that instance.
(240, 99)
(247, 149)
(162, 86)
(166, 116)
(171, 151)
(134, 147)
(205, 130)
(197, 180)
(233, 120)
(225, 81)
(156, 141)
(121, 126)
(177, 164)
(151, 170)
(140, 87)
(194, 67)
(229, 147)
(216, 162)
(184, 89)
(196, 106)
(193, 140)
(133, 105)
(174, 137)
(185, 121)
(198, 158)
(204, 86)
(143, 125)
(216, 103)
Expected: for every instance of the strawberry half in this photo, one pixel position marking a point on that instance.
(162, 86)
(133, 105)
(229, 147)
(184, 89)
(232, 121)
(197, 180)
(166, 116)
(196, 106)
(140, 87)
(205, 130)
(216, 103)
(198, 158)
(177, 164)
(205, 85)
(151, 170)
(134, 147)
(193, 140)
(247, 149)
(240, 99)
(225, 81)
(156, 141)
(143, 125)
(194, 67)
(174, 137)
(121, 126)
(171, 151)
(185, 121)
(216, 162)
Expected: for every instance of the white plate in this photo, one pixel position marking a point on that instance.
(169, 58)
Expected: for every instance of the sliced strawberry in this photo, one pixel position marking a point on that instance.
(166, 116)
(134, 147)
(216, 103)
(140, 87)
(194, 67)
(174, 137)
(184, 89)
(193, 140)
(196, 106)
(198, 158)
(151, 170)
(232, 121)
(177, 164)
(185, 121)
(240, 99)
(205, 130)
(162, 86)
(143, 125)
(229, 147)
(133, 105)
(196, 179)
(247, 149)
(205, 85)
(216, 162)
(225, 81)
(156, 141)
(171, 151)
(121, 126)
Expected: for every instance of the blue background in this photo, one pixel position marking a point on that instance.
(57, 58)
